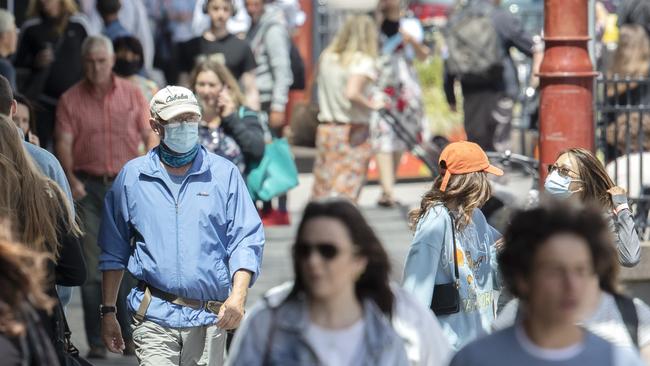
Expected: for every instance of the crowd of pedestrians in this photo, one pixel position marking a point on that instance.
(159, 112)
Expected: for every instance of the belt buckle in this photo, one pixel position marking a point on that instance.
(213, 306)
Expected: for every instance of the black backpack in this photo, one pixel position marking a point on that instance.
(627, 309)
(474, 46)
(297, 67)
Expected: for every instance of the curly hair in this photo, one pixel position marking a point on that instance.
(374, 282)
(530, 230)
(22, 280)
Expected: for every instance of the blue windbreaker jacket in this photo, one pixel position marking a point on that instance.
(190, 245)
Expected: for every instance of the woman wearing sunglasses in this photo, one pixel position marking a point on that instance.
(577, 173)
(336, 313)
(451, 264)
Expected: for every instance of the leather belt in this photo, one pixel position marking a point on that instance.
(150, 291)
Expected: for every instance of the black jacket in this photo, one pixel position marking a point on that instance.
(245, 128)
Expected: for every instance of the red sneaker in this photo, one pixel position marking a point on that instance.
(268, 217)
(281, 218)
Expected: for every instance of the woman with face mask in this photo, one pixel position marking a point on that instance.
(129, 60)
(578, 174)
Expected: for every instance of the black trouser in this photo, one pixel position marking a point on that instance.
(480, 124)
(90, 212)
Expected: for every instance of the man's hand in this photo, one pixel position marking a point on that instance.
(111, 334)
(77, 187)
(231, 312)
(276, 119)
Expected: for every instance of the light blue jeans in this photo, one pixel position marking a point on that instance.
(65, 294)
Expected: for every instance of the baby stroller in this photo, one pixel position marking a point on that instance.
(426, 151)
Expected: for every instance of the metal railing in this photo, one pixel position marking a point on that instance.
(622, 114)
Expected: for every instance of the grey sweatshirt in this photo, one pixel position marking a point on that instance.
(625, 235)
(269, 41)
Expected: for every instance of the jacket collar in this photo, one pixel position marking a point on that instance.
(292, 315)
(152, 166)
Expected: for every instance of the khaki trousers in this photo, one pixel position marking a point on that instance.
(156, 345)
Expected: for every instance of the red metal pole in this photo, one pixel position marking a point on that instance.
(566, 79)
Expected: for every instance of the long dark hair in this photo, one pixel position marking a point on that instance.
(595, 179)
(374, 282)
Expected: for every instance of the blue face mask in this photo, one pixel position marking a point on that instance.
(181, 138)
(558, 186)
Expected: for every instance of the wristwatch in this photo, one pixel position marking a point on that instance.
(105, 309)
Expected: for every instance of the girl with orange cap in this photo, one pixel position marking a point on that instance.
(451, 264)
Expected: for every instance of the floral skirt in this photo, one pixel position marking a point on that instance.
(343, 153)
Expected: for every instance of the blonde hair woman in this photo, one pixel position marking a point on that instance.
(39, 213)
(50, 49)
(346, 76)
(451, 265)
(229, 128)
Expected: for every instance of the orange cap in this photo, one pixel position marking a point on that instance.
(464, 157)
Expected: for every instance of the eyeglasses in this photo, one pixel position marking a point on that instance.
(327, 251)
(563, 171)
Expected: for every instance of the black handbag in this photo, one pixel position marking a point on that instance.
(446, 299)
(66, 351)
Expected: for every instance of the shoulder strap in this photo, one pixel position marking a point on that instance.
(453, 241)
(627, 309)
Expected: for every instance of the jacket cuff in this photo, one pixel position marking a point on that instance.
(245, 260)
(278, 107)
(619, 199)
(111, 265)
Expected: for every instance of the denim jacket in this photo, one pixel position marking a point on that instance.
(274, 334)
(430, 262)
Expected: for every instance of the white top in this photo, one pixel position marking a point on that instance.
(606, 321)
(425, 343)
(547, 354)
(336, 347)
(332, 83)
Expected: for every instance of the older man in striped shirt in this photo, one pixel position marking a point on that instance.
(102, 122)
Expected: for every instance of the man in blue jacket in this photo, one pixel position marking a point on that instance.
(180, 219)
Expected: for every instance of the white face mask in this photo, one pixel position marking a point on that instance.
(558, 186)
(181, 137)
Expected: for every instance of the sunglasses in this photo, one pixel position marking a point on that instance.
(563, 171)
(327, 251)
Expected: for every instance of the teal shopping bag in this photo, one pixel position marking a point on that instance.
(276, 173)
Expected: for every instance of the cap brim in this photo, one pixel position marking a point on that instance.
(173, 111)
(493, 170)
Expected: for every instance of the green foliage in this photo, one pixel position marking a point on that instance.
(442, 121)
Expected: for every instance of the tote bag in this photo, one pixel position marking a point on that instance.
(276, 173)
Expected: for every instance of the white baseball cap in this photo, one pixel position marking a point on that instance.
(171, 101)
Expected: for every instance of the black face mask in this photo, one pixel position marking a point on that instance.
(389, 27)
(126, 68)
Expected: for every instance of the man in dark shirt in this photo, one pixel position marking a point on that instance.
(216, 42)
(488, 107)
